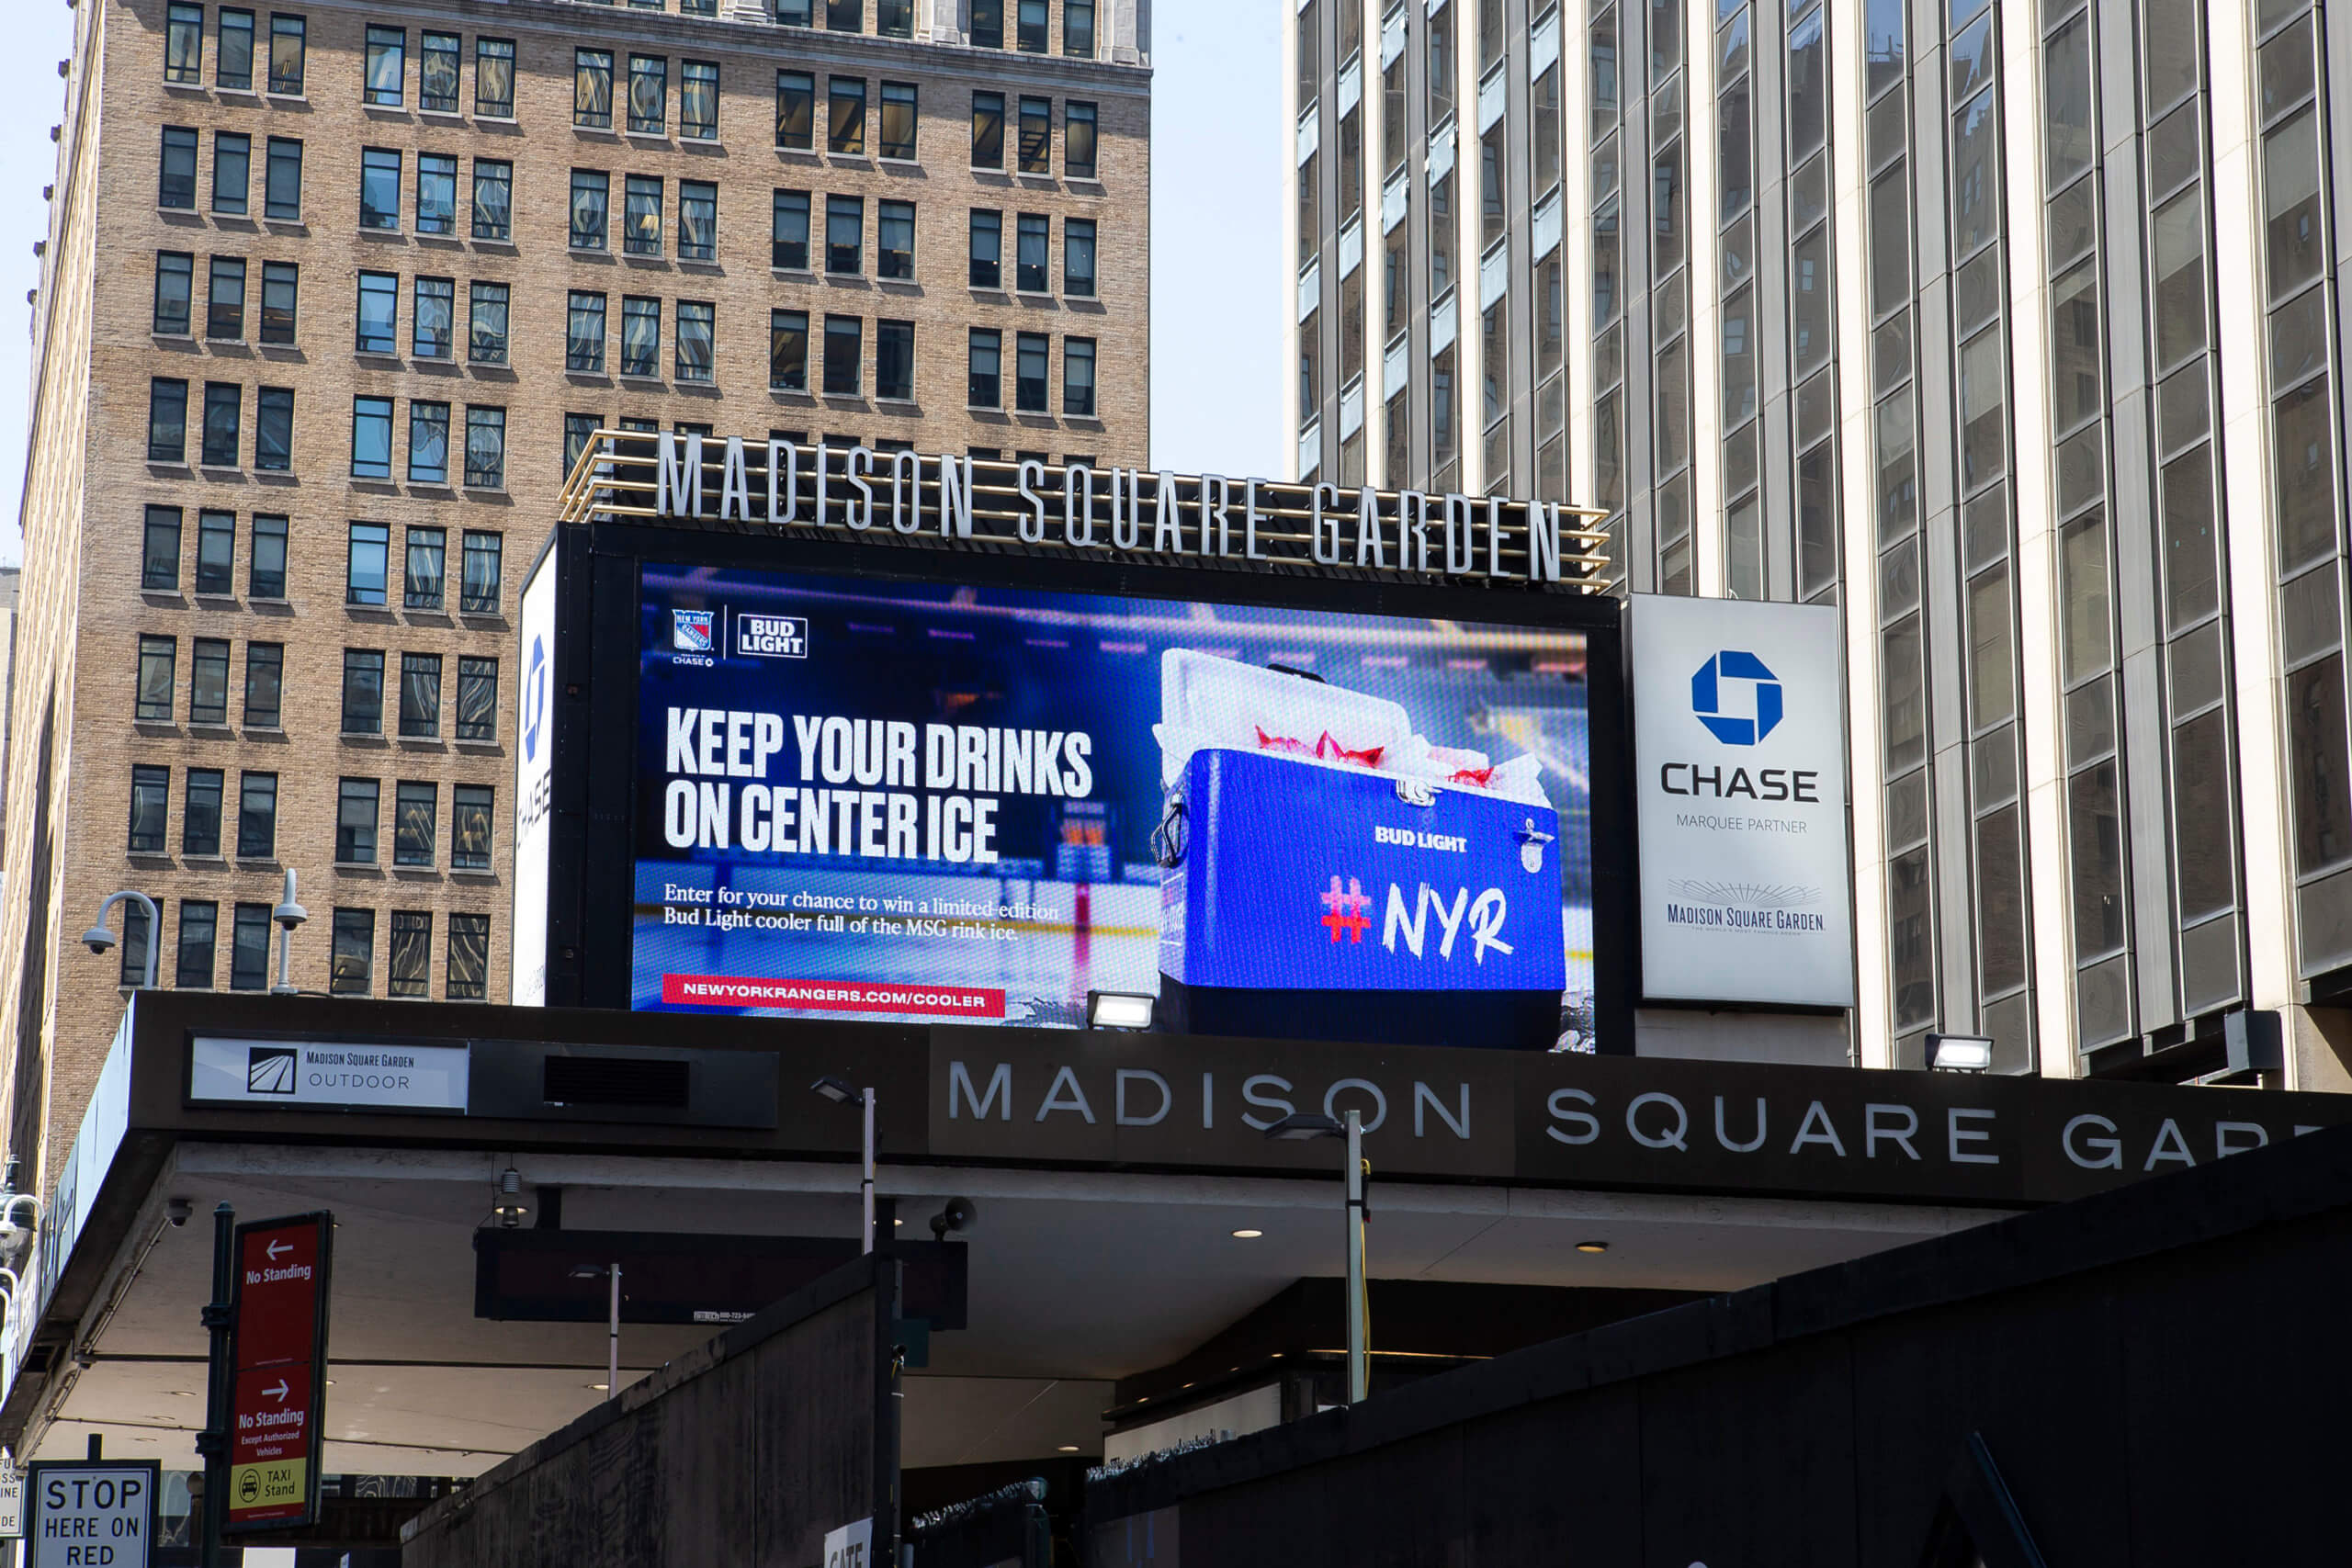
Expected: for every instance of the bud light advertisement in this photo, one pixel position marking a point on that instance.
(916, 802)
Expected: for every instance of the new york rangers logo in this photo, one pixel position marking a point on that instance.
(690, 630)
(1347, 911)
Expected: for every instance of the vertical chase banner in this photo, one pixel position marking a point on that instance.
(1739, 747)
(534, 775)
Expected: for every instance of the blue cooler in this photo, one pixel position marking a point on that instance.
(1311, 898)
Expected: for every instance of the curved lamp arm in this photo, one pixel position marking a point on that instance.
(98, 938)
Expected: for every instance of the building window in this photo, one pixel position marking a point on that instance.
(788, 351)
(233, 73)
(363, 691)
(988, 129)
(988, 24)
(435, 312)
(378, 325)
(986, 249)
(494, 78)
(166, 421)
(410, 956)
(379, 187)
(583, 337)
(286, 49)
(493, 215)
(428, 551)
(200, 822)
(159, 570)
(898, 119)
(577, 430)
(265, 684)
(1037, 136)
(174, 291)
(698, 220)
(845, 115)
(477, 698)
(265, 576)
(486, 323)
(1078, 257)
(478, 590)
(199, 924)
(649, 95)
(894, 361)
(485, 448)
(1077, 377)
(1030, 19)
(365, 564)
(845, 347)
(641, 336)
(135, 937)
(592, 88)
(846, 16)
(224, 300)
(796, 110)
(436, 193)
(281, 187)
(249, 947)
(437, 72)
(788, 232)
(208, 683)
(176, 185)
(894, 240)
(845, 234)
(150, 809)
(694, 340)
(224, 412)
(641, 216)
(1078, 28)
(355, 817)
(468, 974)
(984, 364)
(354, 959)
(216, 551)
(698, 100)
(280, 292)
(257, 817)
(1032, 352)
(1032, 271)
(591, 196)
(1078, 139)
(416, 808)
(184, 44)
(894, 18)
(387, 65)
(232, 163)
(428, 445)
(274, 429)
(371, 438)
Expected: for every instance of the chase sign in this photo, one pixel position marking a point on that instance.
(1713, 703)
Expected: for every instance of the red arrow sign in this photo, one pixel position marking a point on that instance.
(279, 1357)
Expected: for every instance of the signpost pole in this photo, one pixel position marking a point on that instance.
(212, 1443)
(867, 1186)
(613, 1340)
(1358, 1305)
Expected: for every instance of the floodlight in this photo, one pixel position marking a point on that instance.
(1960, 1053)
(1302, 1125)
(837, 1090)
(1118, 1009)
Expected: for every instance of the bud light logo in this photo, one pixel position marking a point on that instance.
(690, 630)
(1729, 684)
(770, 637)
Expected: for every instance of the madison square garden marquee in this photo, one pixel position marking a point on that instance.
(891, 739)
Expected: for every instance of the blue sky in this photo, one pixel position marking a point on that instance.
(1216, 222)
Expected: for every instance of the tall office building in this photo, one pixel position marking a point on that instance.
(2012, 330)
(332, 295)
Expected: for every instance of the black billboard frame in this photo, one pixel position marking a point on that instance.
(592, 848)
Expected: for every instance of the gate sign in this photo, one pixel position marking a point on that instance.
(278, 1355)
(92, 1513)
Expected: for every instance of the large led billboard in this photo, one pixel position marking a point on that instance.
(891, 799)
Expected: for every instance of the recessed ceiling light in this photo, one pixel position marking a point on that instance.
(602, 1387)
(1068, 1448)
(1592, 1246)
(1249, 1234)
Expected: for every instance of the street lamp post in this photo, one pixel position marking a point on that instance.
(1304, 1125)
(840, 1093)
(613, 1323)
(97, 938)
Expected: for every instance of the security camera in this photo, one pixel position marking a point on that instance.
(960, 1214)
(97, 938)
(177, 1210)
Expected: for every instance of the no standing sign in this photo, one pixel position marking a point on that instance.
(278, 1357)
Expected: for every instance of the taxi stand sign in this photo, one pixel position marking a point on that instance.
(92, 1512)
(277, 1360)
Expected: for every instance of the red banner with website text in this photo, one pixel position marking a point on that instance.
(831, 996)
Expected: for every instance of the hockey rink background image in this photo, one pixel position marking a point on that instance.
(923, 802)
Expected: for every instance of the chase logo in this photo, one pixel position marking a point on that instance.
(535, 698)
(770, 637)
(1715, 698)
(690, 630)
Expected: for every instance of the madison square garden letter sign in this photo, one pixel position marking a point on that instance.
(1739, 739)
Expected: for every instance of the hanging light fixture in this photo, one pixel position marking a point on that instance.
(506, 1199)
